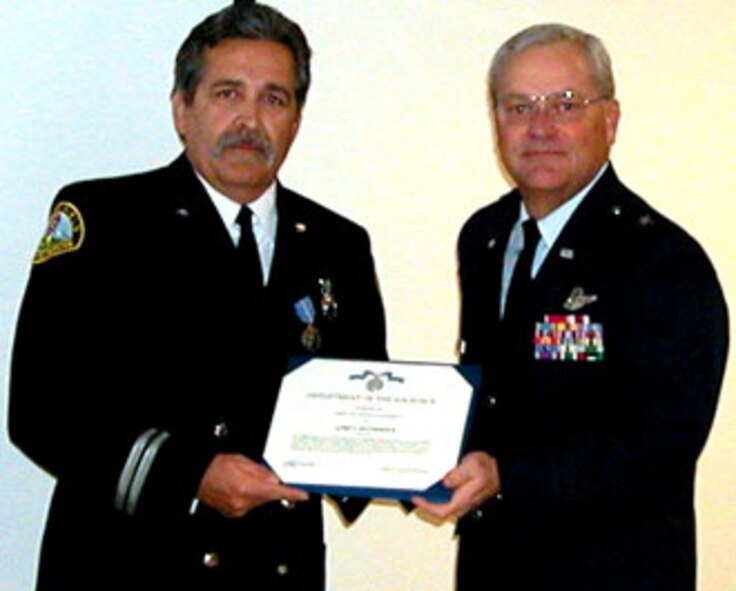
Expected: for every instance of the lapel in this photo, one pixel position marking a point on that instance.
(496, 237)
(200, 261)
(294, 235)
(295, 269)
(197, 221)
(575, 259)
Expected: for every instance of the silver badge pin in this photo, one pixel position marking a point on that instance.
(567, 253)
(578, 299)
(327, 303)
(491, 243)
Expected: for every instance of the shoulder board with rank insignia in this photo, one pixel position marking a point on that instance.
(64, 233)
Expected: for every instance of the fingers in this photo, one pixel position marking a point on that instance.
(457, 476)
(473, 482)
(437, 510)
(234, 485)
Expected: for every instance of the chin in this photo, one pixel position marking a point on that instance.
(542, 181)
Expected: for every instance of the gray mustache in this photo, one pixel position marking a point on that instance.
(251, 138)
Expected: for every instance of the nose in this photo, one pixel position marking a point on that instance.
(248, 114)
(542, 122)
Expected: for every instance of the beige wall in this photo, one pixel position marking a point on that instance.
(396, 136)
(400, 120)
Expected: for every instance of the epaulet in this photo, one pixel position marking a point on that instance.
(64, 233)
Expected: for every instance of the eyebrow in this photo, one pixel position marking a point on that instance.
(270, 87)
(227, 82)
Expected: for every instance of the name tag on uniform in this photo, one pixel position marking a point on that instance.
(571, 337)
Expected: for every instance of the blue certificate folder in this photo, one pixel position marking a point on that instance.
(437, 492)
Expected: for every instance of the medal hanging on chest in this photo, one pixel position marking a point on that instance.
(327, 303)
(311, 338)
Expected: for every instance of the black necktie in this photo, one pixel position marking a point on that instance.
(518, 293)
(248, 250)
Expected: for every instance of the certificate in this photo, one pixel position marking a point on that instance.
(370, 428)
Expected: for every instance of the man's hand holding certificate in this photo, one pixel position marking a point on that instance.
(374, 429)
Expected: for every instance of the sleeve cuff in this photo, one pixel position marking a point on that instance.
(137, 468)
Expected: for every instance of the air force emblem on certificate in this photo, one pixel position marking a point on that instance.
(64, 233)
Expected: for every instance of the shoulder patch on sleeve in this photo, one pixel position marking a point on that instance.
(64, 233)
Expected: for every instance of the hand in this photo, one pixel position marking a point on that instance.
(234, 485)
(473, 482)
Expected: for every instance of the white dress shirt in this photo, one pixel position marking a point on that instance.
(264, 220)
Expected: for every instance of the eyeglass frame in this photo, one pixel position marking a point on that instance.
(537, 102)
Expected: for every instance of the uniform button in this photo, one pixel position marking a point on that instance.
(211, 560)
(287, 504)
(491, 401)
(282, 569)
(221, 430)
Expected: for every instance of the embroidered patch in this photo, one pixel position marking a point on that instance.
(568, 338)
(64, 233)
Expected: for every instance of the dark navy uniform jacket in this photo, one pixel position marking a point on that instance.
(597, 457)
(141, 338)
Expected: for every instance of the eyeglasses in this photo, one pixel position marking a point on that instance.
(561, 107)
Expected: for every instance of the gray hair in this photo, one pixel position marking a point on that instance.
(241, 21)
(548, 34)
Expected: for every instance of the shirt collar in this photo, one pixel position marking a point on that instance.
(263, 208)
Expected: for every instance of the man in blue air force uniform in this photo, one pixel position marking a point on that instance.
(181, 292)
(602, 332)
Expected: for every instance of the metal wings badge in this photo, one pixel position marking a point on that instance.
(578, 299)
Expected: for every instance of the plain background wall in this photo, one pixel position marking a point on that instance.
(396, 136)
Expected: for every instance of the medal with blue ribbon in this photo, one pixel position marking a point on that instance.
(311, 338)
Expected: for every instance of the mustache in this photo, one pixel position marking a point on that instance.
(247, 138)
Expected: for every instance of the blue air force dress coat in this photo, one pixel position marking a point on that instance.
(599, 403)
(140, 354)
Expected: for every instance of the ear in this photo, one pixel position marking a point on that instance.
(296, 124)
(612, 114)
(179, 110)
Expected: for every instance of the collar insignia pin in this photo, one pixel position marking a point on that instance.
(491, 243)
(646, 220)
(567, 253)
(578, 299)
(300, 227)
(182, 213)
